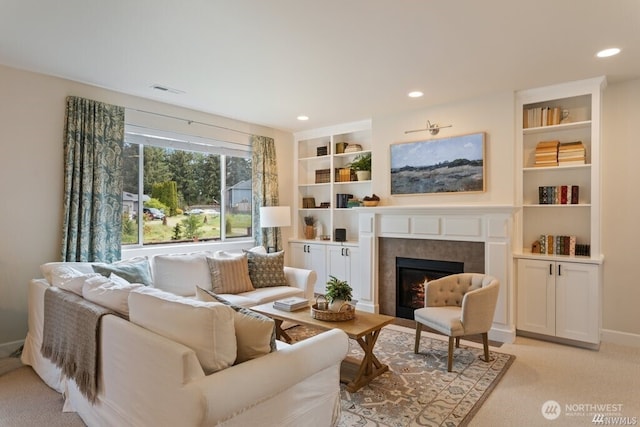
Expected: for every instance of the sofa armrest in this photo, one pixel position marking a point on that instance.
(301, 278)
(231, 391)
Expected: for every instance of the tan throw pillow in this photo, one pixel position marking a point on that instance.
(266, 270)
(229, 273)
(255, 333)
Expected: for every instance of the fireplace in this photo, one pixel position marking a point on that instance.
(411, 273)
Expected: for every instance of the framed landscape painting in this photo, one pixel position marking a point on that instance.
(446, 165)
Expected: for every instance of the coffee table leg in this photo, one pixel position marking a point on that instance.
(281, 334)
(370, 367)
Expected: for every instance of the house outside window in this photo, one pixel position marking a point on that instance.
(184, 189)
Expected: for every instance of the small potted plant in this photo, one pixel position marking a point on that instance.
(338, 292)
(309, 229)
(362, 166)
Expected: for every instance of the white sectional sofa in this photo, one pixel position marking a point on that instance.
(146, 378)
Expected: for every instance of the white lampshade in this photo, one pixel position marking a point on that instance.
(275, 216)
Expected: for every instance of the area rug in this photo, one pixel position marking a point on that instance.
(417, 390)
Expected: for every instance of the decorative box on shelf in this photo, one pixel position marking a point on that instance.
(323, 176)
(343, 175)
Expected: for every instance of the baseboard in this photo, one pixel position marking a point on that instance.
(506, 336)
(621, 338)
(9, 347)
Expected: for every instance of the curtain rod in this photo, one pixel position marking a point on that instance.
(190, 121)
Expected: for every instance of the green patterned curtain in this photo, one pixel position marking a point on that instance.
(92, 222)
(264, 189)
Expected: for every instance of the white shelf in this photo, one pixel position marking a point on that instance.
(556, 205)
(555, 128)
(555, 168)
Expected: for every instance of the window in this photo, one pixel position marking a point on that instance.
(180, 189)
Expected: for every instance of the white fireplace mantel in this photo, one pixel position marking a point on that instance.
(491, 224)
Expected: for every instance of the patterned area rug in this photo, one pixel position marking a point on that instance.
(417, 390)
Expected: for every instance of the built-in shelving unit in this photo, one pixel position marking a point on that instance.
(318, 177)
(558, 295)
(320, 157)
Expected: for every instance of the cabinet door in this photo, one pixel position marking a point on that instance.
(343, 262)
(577, 302)
(311, 257)
(316, 261)
(536, 296)
(337, 262)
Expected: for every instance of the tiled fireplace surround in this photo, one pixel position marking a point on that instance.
(479, 236)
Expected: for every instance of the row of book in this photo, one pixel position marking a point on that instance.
(554, 153)
(561, 245)
(559, 195)
(541, 116)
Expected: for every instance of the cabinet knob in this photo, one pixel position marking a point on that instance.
(559, 270)
(550, 269)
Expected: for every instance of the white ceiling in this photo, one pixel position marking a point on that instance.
(336, 61)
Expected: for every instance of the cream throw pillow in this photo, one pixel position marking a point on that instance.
(255, 333)
(112, 292)
(229, 273)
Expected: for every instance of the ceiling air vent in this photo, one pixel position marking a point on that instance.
(166, 89)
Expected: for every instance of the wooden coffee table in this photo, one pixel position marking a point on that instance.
(364, 328)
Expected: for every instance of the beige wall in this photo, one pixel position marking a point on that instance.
(621, 209)
(493, 115)
(31, 126)
(32, 108)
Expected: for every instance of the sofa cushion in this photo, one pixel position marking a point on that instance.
(266, 270)
(134, 270)
(255, 332)
(229, 273)
(69, 279)
(272, 293)
(181, 273)
(205, 327)
(48, 268)
(112, 292)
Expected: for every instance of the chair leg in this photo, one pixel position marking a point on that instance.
(457, 342)
(485, 343)
(450, 356)
(418, 330)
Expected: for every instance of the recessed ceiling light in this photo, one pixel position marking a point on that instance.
(608, 52)
(303, 118)
(415, 94)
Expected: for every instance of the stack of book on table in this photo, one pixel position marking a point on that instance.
(291, 303)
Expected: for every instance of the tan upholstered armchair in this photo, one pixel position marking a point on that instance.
(459, 305)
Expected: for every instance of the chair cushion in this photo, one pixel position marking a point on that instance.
(255, 332)
(445, 320)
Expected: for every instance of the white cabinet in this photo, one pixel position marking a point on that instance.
(343, 262)
(321, 173)
(311, 257)
(559, 299)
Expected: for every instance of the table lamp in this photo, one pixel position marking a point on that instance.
(275, 216)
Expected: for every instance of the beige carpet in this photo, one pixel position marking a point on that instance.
(417, 389)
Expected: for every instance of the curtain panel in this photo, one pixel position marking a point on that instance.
(93, 181)
(264, 189)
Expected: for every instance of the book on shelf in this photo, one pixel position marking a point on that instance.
(291, 303)
(558, 195)
(546, 153)
(541, 116)
(572, 153)
(560, 245)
